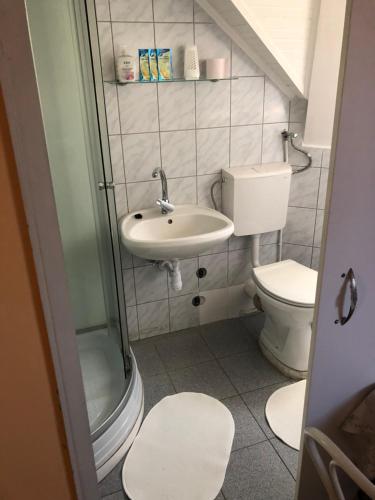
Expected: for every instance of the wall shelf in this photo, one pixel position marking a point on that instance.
(174, 80)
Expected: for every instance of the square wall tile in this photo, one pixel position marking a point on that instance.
(117, 162)
(239, 242)
(212, 150)
(106, 51)
(213, 104)
(102, 10)
(188, 268)
(239, 303)
(268, 254)
(183, 191)
(268, 238)
(176, 106)
(246, 145)
(212, 42)
(133, 36)
(200, 15)
(121, 200)
(299, 253)
(272, 145)
(299, 227)
(126, 257)
(315, 259)
(143, 195)
(318, 228)
(153, 318)
(276, 104)
(131, 10)
(216, 266)
(138, 108)
(298, 108)
(239, 269)
(142, 155)
(176, 36)
(150, 284)
(173, 10)
(132, 323)
(178, 153)
(242, 65)
(129, 287)
(183, 313)
(214, 306)
(298, 158)
(111, 108)
(326, 158)
(247, 101)
(304, 189)
(204, 190)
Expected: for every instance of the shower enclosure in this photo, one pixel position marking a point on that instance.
(67, 68)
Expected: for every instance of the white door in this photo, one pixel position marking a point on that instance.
(342, 368)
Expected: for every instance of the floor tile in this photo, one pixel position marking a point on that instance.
(227, 337)
(257, 473)
(119, 495)
(253, 323)
(112, 483)
(183, 349)
(207, 378)
(247, 430)
(287, 454)
(256, 402)
(156, 388)
(250, 370)
(148, 359)
(220, 497)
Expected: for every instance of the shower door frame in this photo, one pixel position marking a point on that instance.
(20, 92)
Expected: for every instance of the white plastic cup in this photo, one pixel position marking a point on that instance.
(215, 68)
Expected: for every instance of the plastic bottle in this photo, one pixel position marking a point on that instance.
(125, 66)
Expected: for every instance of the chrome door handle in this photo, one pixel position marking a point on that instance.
(349, 278)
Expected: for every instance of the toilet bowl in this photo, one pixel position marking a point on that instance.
(286, 291)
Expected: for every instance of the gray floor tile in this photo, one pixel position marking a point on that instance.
(253, 323)
(148, 359)
(156, 388)
(247, 430)
(227, 337)
(183, 349)
(207, 378)
(119, 495)
(220, 497)
(250, 370)
(112, 482)
(256, 401)
(257, 473)
(287, 454)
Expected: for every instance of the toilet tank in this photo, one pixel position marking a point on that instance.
(256, 197)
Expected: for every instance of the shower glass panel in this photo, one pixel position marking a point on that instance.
(85, 213)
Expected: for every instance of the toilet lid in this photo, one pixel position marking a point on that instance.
(288, 280)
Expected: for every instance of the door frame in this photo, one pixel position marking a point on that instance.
(19, 87)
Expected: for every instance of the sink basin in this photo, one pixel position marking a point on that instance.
(186, 232)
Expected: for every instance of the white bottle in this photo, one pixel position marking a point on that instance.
(125, 66)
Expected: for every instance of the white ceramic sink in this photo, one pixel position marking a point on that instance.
(187, 231)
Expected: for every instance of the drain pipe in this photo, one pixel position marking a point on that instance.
(255, 244)
(174, 271)
(279, 245)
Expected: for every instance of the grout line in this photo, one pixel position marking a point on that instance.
(279, 455)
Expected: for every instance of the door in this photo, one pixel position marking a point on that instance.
(342, 364)
(63, 67)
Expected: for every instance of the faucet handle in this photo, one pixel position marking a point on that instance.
(165, 205)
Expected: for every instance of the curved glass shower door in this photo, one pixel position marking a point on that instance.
(86, 213)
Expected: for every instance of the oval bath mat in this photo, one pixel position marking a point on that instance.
(284, 413)
(182, 450)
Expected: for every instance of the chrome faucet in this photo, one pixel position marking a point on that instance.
(163, 203)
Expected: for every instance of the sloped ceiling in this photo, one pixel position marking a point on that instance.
(279, 36)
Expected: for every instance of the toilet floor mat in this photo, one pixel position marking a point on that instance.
(181, 451)
(284, 413)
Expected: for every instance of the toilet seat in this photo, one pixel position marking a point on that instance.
(289, 282)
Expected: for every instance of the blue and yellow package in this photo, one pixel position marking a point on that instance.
(144, 65)
(164, 63)
(153, 64)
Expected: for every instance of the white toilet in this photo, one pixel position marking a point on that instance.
(256, 199)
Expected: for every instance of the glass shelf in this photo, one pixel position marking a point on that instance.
(174, 80)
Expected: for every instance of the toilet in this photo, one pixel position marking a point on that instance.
(256, 199)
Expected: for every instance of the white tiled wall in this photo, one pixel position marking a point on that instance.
(194, 130)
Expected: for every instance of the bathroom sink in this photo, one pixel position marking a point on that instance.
(187, 231)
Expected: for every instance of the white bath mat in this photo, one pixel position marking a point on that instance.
(182, 450)
(284, 413)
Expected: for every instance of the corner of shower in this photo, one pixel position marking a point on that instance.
(73, 111)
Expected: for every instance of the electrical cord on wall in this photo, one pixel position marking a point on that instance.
(219, 181)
